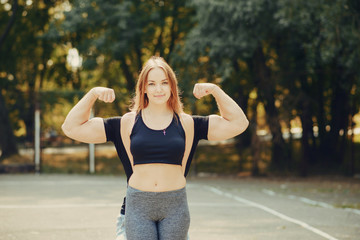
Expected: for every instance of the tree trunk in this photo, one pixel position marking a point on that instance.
(158, 45)
(305, 114)
(130, 83)
(306, 122)
(10, 23)
(255, 143)
(29, 110)
(351, 165)
(340, 110)
(29, 117)
(320, 108)
(138, 55)
(159, 48)
(173, 29)
(241, 97)
(7, 139)
(266, 87)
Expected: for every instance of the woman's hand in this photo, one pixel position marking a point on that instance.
(104, 94)
(203, 89)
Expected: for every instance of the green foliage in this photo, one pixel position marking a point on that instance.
(298, 59)
(24, 59)
(311, 53)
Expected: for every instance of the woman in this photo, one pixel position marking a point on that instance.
(155, 142)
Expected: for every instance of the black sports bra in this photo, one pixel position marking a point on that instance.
(157, 146)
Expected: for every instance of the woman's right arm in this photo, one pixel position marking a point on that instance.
(77, 124)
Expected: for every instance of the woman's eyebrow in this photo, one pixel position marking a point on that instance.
(155, 81)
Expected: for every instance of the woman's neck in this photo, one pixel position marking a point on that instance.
(158, 110)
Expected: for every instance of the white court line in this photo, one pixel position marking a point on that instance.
(273, 212)
(60, 183)
(311, 202)
(60, 206)
(204, 204)
(302, 199)
(101, 205)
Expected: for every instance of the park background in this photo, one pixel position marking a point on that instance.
(293, 67)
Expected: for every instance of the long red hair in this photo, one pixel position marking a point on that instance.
(141, 101)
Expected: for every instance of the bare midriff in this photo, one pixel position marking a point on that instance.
(157, 177)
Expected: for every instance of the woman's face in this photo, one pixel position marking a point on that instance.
(158, 88)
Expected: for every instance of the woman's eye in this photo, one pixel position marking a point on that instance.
(165, 83)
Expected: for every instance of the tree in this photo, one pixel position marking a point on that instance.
(24, 62)
(323, 49)
(235, 34)
(114, 38)
(300, 57)
(7, 142)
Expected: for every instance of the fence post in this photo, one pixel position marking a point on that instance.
(37, 146)
(92, 151)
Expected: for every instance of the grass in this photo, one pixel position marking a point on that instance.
(219, 159)
(223, 159)
(353, 206)
(105, 163)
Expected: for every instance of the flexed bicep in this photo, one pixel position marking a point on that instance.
(231, 122)
(79, 126)
(221, 129)
(92, 131)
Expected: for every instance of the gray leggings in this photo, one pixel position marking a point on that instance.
(156, 215)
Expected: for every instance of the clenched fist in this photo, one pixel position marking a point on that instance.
(203, 89)
(104, 94)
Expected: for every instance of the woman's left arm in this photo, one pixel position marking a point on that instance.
(232, 121)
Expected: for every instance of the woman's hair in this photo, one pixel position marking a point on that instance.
(141, 101)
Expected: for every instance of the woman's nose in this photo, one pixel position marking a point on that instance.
(158, 87)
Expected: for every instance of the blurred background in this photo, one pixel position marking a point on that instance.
(292, 65)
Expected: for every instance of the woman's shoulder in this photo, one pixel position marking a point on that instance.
(186, 119)
(128, 118)
(129, 115)
(185, 116)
